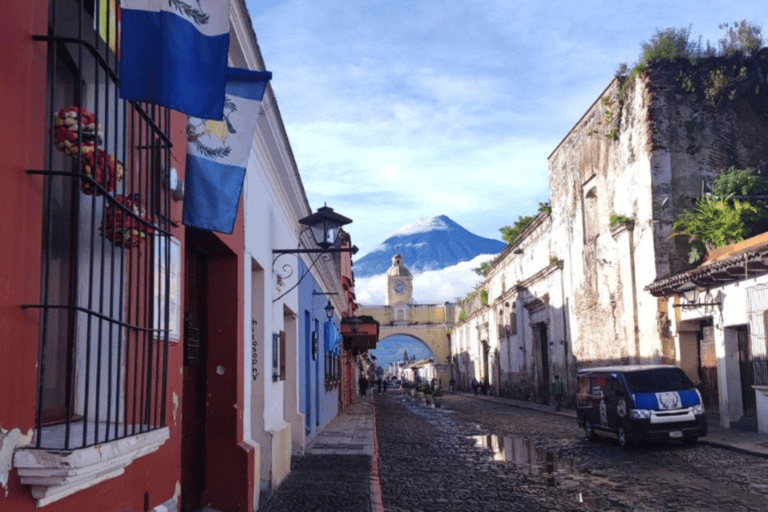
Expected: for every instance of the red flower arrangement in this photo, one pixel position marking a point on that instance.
(103, 168)
(123, 229)
(66, 124)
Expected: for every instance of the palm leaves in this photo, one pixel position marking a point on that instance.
(713, 222)
(721, 218)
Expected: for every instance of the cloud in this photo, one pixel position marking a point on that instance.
(431, 287)
(399, 110)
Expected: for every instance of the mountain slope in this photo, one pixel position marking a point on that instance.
(427, 244)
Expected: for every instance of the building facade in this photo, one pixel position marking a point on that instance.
(571, 291)
(146, 365)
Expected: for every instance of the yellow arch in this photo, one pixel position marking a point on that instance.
(429, 323)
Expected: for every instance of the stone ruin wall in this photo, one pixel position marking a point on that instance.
(648, 150)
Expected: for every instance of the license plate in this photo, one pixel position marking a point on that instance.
(675, 434)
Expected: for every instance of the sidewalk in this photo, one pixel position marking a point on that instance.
(339, 471)
(735, 439)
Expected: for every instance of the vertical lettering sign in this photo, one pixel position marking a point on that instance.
(275, 356)
(254, 351)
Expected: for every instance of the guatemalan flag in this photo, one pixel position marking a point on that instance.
(174, 53)
(217, 154)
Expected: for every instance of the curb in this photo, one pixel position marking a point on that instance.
(377, 503)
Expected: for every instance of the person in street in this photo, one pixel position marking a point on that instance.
(378, 385)
(557, 389)
(475, 385)
(363, 383)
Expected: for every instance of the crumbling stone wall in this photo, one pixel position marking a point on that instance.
(643, 152)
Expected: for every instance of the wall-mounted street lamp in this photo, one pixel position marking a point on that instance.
(325, 226)
(329, 310)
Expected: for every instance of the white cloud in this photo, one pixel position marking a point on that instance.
(431, 287)
(398, 110)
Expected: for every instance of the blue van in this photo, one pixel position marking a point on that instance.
(633, 403)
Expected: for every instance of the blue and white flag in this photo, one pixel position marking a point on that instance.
(217, 154)
(174, 53)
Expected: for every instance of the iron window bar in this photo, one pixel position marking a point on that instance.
(110, 299)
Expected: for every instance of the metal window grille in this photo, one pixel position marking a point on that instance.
(103, 357)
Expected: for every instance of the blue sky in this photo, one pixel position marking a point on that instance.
(403, 109)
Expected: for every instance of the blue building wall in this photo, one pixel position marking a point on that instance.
(318, 404)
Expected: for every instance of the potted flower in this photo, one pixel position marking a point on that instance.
(428, 394)
(126, 230)
(437, 397)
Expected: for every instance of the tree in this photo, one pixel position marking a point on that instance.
(741, 37)
(483, 269)
(405, 355)
(510, 234)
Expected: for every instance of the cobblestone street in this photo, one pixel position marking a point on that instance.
(475, 455)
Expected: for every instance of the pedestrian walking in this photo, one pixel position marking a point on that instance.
(557, 389)
(475, 385)
(363, 383)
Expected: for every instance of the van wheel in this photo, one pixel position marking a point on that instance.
(589, 430)
(623, 435)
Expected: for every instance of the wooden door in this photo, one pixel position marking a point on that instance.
(708, 369)
(194, 394)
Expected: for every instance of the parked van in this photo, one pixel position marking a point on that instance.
(632, 403)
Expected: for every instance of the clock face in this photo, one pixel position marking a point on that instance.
(399, 287)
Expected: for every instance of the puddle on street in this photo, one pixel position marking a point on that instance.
(534, 460)
(522, 452)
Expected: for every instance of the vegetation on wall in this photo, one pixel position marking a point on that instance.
(741, 39)
(616, 220)
(510, 233)
(483, 269)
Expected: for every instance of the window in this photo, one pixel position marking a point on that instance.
(106, 217)
(330, 345)
(590, 215)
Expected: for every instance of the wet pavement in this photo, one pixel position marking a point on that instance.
(488, 453)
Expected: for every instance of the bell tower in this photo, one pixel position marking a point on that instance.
(399, 282)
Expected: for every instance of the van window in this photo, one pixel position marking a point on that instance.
(657, 380)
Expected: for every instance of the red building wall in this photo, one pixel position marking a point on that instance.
(150, 480)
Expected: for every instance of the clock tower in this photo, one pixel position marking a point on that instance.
(399, 282)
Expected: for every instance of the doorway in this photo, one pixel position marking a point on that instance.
(747, 372)
(194, 391)
(708, 367)
(541, 341)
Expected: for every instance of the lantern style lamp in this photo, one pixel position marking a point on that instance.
(325, 225)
